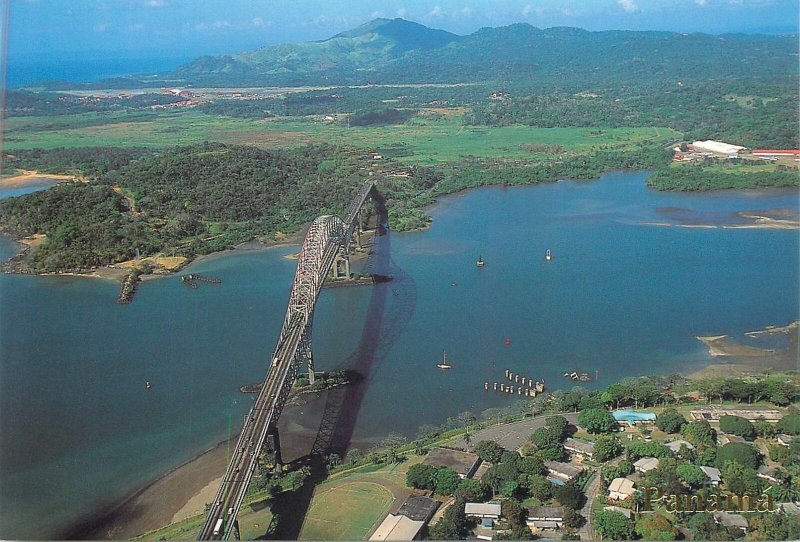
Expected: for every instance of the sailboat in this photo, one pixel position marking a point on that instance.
(444, 364)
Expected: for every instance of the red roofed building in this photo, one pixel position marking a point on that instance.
(778, 152)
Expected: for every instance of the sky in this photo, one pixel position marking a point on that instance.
(63, 29)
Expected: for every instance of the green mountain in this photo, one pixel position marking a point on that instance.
(399, 51)
(340, 58)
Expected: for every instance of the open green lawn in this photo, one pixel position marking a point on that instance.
(346, 511)
(422, 140)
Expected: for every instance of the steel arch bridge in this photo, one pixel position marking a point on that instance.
(326, 238)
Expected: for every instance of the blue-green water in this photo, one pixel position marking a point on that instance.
(80, 431)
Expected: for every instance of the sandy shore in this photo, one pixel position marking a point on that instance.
(172, 496)
(28, 176)
(735, 359)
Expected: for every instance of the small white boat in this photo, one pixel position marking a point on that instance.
(480, 262)
(548, 256)
(147, 384)
(444, 364)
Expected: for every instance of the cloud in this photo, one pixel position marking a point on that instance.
(216, 25)
(377, 15)
(136, 27)
(155, 3)
(437, 12)
(628, 5)
(102, 27)
(402, 12)
(701, 2)
(466, 11)
(258, 22)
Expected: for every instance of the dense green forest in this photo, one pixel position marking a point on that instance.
(696, 178)
(752, 115)
(190, 200)
(90, 163)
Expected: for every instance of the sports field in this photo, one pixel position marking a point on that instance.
(347, 511)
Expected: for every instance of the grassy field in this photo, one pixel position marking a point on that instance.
(347, 511)
(254, 521)
(422, 140)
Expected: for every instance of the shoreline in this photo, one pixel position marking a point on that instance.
(158, 501)
(27, 176)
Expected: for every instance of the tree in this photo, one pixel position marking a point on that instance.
(446, 481)
(352, 456)
(421, 476)
(606, 447)
(545, 437)
(513, 511)
(648, 449)
(558, 424)
(568, 495)
(472, 491)
(699, 432)
(691, 475)
(531, 465)
(452, 525)
(764, 428)
(655, 527)
(517, 532)
(596, 420)
(572, 519)
(789, 424)
(737, 425)
(742, 453)
(540, 488)
(670, 421)
(613, 525)
(489, 450)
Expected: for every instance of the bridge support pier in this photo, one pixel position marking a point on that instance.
(273, 445)
(337, 272)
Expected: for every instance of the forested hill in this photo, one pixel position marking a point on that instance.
(399, 51)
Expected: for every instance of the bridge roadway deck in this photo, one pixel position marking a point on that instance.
(245, 456)
(280, 375)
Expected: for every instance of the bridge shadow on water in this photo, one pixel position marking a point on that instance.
(391, 307)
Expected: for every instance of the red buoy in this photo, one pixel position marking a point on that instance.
(508, 341)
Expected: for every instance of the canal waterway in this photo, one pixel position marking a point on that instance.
(635, 276)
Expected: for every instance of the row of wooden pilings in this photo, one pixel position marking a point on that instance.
(532, 389)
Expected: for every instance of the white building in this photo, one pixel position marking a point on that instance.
(718, 147)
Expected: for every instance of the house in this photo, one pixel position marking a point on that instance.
(624, 511)
(731, 520)
(545, 517)
(675, 445)
(482, 510)
(407, 524)
(646, 464)
(770, 475)
(714, 475)
(418, 508)
(561, 473)
(481, 470)
(725, 438)
(784, 439)
(463, 463)
(620, 489)
(579, 447)
(397, 527)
